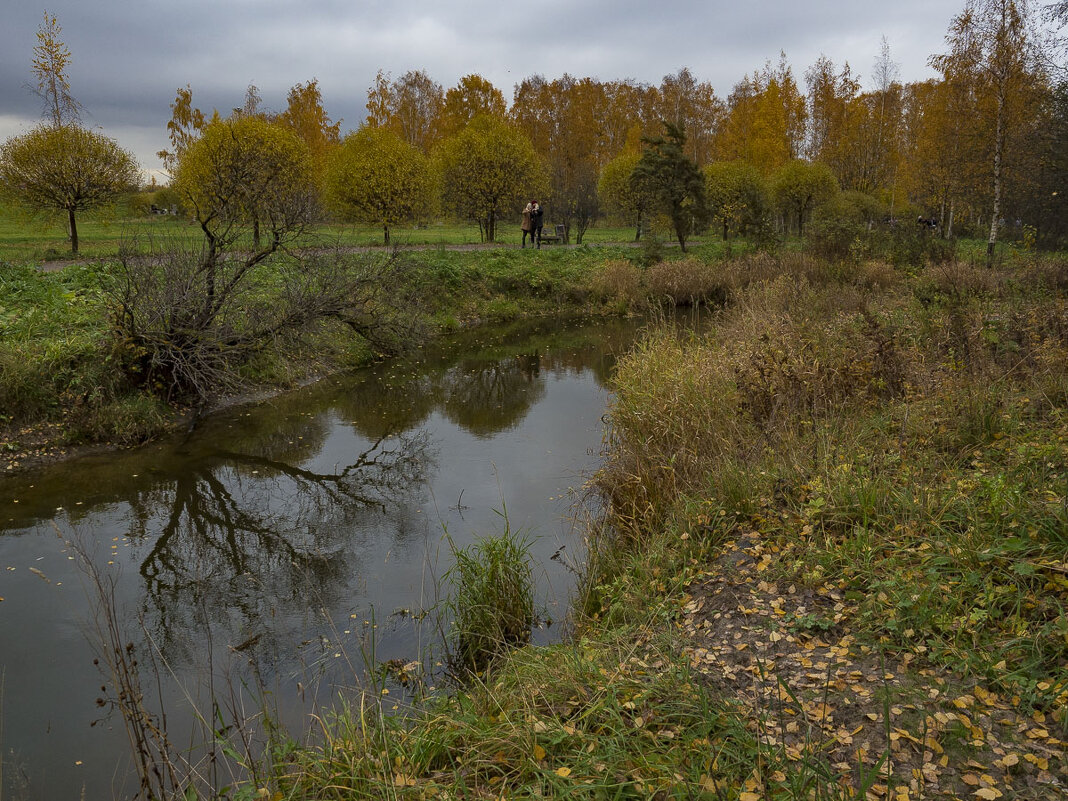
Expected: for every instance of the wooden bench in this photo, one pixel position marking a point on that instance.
(556, 238)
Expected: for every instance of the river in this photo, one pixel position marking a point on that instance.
(274, 552)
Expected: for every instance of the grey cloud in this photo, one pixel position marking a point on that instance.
(128, 59)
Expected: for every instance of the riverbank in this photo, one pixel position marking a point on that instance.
(833, 563)
(63, 392)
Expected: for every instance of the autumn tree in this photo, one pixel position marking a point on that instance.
(50, 60)
(737, 195)
(60, 166)
(65, 168)
(305, 116)
(831, 97)
(376, 177)
(410, 106)
(487, 171)
(940, 169)
(692, 106)
(799, 186)
(241, 174)
(250, 106)
(472, 97)
(534, 111)
(765, 119)
(185, 125)
(677, 183)
(886, 110)
(630, 112)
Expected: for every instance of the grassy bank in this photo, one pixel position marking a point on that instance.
(65, 371)
(832, 562)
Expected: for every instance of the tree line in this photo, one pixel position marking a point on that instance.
(981, 149)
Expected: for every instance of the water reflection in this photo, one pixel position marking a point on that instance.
(485, 399)
(244, 533)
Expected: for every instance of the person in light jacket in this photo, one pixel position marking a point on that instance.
(527, 224)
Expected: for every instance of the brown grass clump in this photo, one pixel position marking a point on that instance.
(687, 282)
(618, 280)
(877, 275)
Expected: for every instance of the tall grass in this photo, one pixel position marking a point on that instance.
(906, 437)
(492, 599)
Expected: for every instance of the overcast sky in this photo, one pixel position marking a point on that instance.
(128, 58)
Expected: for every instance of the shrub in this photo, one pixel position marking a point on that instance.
(652, 251)
(839, 228)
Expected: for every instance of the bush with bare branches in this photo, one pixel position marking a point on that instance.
(186, 336)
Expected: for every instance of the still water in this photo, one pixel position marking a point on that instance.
(282, 546)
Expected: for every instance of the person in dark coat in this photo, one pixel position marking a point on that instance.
(536, 215)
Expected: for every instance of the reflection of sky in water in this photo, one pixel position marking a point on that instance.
(279, 530)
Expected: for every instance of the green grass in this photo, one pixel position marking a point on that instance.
(592, 719)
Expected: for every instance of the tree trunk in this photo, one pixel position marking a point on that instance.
(385, 234)
(999, 145)
(680, 234)
(73, 231)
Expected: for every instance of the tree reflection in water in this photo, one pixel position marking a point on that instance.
(245, 534)
(487, 398)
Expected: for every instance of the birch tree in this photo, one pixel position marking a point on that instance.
(992, 49)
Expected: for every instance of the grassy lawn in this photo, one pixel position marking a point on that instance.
(24, 239)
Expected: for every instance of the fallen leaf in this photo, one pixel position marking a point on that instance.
(563, 773)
